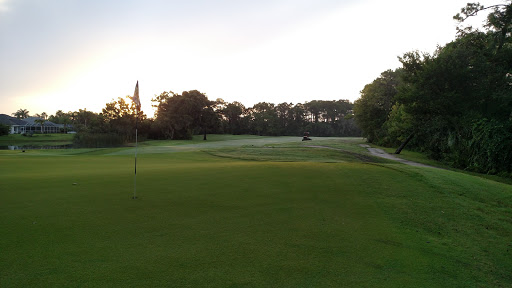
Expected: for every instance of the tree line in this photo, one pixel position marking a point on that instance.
(180, 116)
(455, 104)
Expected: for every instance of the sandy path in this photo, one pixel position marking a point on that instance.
(381, 153)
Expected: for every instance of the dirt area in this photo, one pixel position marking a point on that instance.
(381, 153)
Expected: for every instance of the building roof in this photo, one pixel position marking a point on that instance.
(30, 121)
(8, 120)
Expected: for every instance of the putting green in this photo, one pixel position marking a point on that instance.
(153, 147)
(203, 220)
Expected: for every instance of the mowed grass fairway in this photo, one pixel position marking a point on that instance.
(209, 215)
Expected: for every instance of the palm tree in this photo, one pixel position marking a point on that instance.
(40, 121)
(21, 114)
(65, 121)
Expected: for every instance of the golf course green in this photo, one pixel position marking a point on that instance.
(247, 211)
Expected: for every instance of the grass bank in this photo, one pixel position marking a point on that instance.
(36, 140)
(422, 158)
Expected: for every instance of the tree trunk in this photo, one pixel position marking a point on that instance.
(204, 136)
(403, 144)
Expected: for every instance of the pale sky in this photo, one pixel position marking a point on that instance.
(75, 54)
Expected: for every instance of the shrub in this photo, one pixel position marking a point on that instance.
(98, 140)
(4, 129)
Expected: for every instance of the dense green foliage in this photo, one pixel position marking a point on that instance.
(377, 100)
(4, 129)
(181, 116)
(85, 139)
(178, 116)
(457, 102)
(115, 126)
(67, 218)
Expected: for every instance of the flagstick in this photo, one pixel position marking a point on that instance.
(135, 178)
(136, 101)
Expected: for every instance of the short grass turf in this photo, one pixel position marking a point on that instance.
(36, 140)
(207, 221)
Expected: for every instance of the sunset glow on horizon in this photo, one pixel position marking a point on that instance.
(70, 55)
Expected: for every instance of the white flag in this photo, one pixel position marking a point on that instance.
(136, 98)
